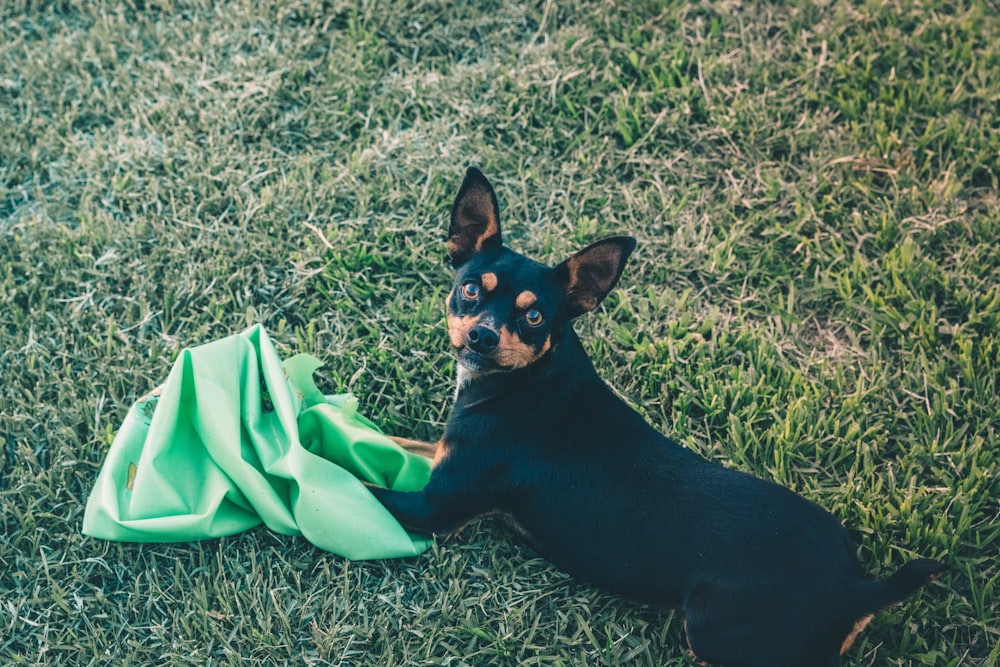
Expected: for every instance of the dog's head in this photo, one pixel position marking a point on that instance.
(505, 310)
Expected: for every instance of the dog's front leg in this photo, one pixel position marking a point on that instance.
(437, 509)
(425, 449)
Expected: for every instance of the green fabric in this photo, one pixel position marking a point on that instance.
(235, 438)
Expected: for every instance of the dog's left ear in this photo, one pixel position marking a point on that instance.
(475, 219)
(589, 275)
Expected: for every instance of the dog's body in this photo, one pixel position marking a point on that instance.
(764, 577)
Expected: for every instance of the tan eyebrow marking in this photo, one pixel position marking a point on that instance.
(525, 299)
(488, 281)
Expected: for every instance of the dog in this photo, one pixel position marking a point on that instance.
(764, 577)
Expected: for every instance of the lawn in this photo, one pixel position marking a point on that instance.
(815, 297)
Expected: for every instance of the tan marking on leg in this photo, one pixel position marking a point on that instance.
(691, 653)
(441, 452)
(859, 625)
(436, 451)
(488, 281)
(425, 449)
(525, 299)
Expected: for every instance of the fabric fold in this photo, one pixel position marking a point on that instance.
(235, 438)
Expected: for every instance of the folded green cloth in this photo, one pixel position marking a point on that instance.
(235, 438)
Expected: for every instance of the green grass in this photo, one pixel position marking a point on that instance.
(815, 297)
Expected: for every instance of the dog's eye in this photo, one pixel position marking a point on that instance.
(533, 317)
(470, 291)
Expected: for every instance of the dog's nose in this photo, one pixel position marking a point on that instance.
(482, 339)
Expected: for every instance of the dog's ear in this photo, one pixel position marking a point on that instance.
(475, 219)
(589, 275)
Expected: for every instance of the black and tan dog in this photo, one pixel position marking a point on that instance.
(764, 577)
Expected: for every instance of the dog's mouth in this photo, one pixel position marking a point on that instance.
(474, 361)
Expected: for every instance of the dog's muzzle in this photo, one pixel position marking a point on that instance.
(482, 340)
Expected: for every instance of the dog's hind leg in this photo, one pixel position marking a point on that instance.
(726, 626)
(709, 629)
(737, 627)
